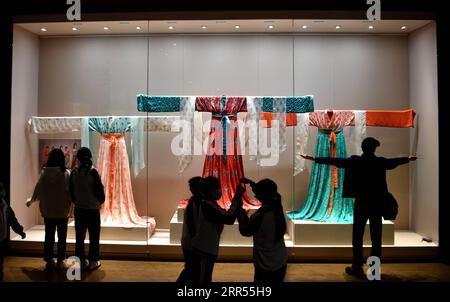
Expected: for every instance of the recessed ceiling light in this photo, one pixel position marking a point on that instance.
(106, 28)
(305, 26)
(171, 27)
(237, 26)
(204, 27)
(270, 26)
(44, 29)
(138, 27)
(403, 27)
(371, 27)
(74, 28)
(338, 27)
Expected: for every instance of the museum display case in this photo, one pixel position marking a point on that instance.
(152, 99)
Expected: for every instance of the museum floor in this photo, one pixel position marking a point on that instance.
(28, 269)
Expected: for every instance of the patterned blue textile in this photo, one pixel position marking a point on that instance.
(112, 125)
(294, 104)
(147, 103)
(300, 104)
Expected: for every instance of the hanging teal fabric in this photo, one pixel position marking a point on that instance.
(147, 103)
(267, 104)
(106, 125)
(294, 104)
(300, 104)
(122, 125)
(109, 125)
(324, 202)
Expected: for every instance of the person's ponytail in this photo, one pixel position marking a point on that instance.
(87, 165)
(84, 156)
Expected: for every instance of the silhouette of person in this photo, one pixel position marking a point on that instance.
(365, 180)
(88, 195)
(267, 226)
(7, 220)
(209, 225)
(52, 193)
(191, 259)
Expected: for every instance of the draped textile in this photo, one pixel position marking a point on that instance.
(187, 107)
(324, 201)
(113, 160)
(301, 141)
(294, 104)
(223, 159)
(52, 125)
(356, 118)
(291, 119)
(148, 103)
(357, 133)
(278, 107)
(377, 118)
(281, 107)
(136, 127)
(114, 169)
(391, 118)
(254, 116)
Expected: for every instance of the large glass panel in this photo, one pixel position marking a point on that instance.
(83, 86)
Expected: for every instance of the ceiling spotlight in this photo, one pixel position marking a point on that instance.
(204, 27)
(106, 28)
(237, 26)
(305, 26)
(138, 27)
(171, 27)
(338, 27)
(403, 27)
(74, 28)
(270, 26)
(44, 29)
(371, 27)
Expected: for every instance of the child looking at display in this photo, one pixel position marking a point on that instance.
(7, 220)
(209, 225)
(88, 195)
(267, 226)
(191, 260)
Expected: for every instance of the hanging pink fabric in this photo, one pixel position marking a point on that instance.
(113, 166)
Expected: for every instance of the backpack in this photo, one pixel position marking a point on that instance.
(389, 207)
